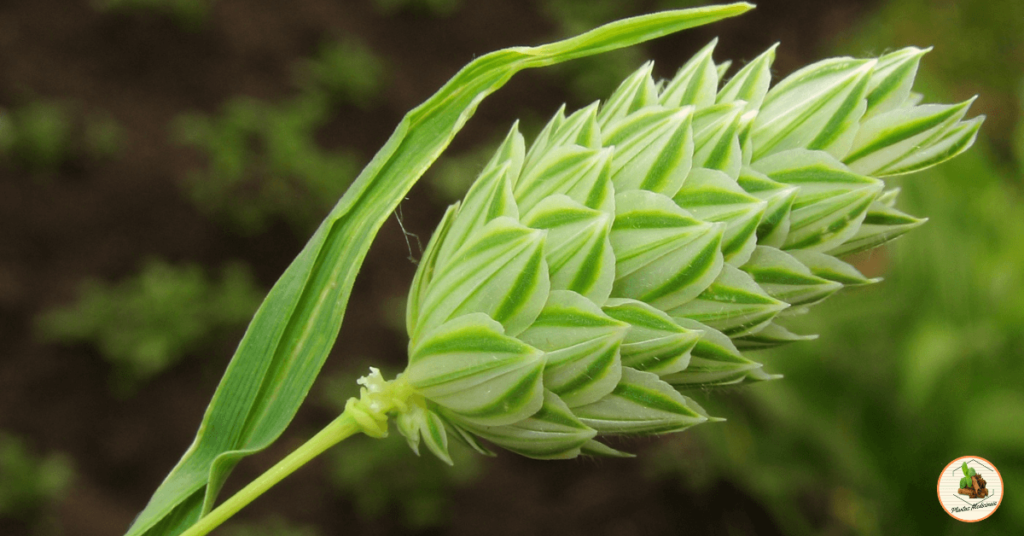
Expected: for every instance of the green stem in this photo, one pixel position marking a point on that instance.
(339, 429)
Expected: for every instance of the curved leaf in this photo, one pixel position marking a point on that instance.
(295, 328)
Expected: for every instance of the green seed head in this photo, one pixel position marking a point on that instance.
(637, 246)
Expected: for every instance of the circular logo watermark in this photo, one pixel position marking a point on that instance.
(970, 488)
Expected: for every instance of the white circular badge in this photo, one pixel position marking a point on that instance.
(970, 488)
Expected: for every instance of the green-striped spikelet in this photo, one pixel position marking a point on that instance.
(638, 245)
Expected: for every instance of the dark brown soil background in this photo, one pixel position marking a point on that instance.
(100, 219)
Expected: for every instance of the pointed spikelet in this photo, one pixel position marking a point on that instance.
(637, 247)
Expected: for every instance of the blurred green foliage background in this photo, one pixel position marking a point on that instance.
(906, 375)
(146, 324)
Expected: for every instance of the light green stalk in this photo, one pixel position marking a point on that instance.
(368, 415)
(339, 429)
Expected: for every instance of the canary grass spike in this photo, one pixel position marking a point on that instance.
(639, 245)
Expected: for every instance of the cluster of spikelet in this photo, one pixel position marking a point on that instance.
(638, 246)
